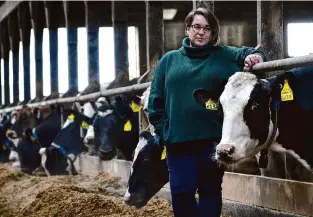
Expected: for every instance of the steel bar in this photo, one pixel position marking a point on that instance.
(275, 65)
(87, 97)
(283, 64)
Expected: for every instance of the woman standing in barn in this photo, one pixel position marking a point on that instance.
(188, 130)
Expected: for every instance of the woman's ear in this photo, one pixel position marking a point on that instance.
(187, 31)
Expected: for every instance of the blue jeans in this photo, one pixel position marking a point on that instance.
(195, 170)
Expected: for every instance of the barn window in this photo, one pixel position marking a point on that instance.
(2, 82)
(300, 39)
(11, 75)
(133, 52)
(106, 55)
(32, 65)
(82, 58)
(46, 63)
(21, 72)
(63, 60)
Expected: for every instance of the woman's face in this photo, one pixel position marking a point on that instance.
(199, 32)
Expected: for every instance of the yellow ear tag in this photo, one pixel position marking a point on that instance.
(4, 147)
(211, 105)
(286, 92)
(32, 138)
(163, 156)
(128, 126)
(71, 117)
(135, 107)
(84, 125)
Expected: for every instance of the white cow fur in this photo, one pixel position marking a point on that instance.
(235, 131)
(141, 144)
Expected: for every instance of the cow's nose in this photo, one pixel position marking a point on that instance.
(224, 151)
(89, 140)
(127, 199)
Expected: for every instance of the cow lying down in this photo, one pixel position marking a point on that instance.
(261, 114)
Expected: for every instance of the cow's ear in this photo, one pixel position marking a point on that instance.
(202, 96)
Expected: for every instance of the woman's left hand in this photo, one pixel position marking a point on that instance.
(251, 60)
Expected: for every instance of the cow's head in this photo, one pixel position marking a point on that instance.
(126, 104)
(148, 173)
(91, 109)
(247, 125)
(115, 126)
(27, 152)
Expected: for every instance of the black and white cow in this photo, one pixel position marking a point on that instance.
(273, 113)
(5, 144)
(149, 171)
(41, 136)
(59, 157)
(117, 128)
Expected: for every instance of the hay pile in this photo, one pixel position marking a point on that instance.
(101, 195)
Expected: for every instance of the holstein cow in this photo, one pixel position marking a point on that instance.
(23, 119)
(5, 144)
(149, 171)
(116, 127)
(261, 114)
(60, 156)
(39, 137)
(28, 143)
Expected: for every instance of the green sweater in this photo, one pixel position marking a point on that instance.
(172, 110)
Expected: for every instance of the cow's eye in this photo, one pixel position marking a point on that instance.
(145, 160)
(254, 106)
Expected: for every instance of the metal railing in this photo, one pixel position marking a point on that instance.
(274, 65)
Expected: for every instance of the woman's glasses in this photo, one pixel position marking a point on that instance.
(197, 28)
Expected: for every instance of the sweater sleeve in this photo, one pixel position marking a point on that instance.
(243, 52)
(156, 103)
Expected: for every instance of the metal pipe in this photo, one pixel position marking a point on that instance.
(283, 64)
(274, 65)
(111, 92)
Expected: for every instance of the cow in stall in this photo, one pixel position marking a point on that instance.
(115, 131)
(24, 119)
(5, 144)
(55, 146)
(33, 129)
(262, 114)
(59, 157)
(149, 171)
(67, 146)
(91, 108)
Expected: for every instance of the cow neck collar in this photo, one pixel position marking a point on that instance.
(263, 161)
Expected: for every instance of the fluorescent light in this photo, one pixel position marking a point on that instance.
(169, 14)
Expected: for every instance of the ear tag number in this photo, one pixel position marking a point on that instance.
(211, 105)
(286, 92)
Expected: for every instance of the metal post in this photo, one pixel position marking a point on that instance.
(25, 26)
(92, 24)
(71, 44)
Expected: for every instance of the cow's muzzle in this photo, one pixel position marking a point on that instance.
(135, 199)
(224, 152)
